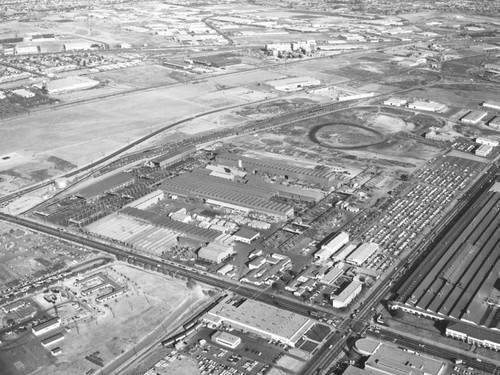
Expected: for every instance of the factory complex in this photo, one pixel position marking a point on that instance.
(463, 284)
(386, 359)
(261, 319)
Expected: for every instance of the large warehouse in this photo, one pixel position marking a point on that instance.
(215, 252)
(362, 253)
(332, 246)
(226, 193)
(72, 83)
(322, 176)
(460, 278)
(261, 319)
(293, 84)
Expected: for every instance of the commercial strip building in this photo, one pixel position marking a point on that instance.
(474, 117)
(332, 246)
(47, 326)
(293, 84)
(259, 318)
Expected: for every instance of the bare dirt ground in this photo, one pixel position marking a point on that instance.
(127, 320)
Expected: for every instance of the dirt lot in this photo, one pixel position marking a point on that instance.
(127, 320)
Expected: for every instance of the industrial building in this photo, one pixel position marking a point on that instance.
(462, 283)
(162, 220)
(319, 175)
(331, 246)
(340, 255)
(215, 252)
(439, 136)
(478, 336)
(172, 157)
(78, 45)
(148, 200)
(23, 93)
(58, 337)
(362, 253)
(474, 117)
(492, 105)
(347, 295)
(391, 360)
(14, 306)
(293, 84)
(483, 150)
(223, 193)
(46, 326)
(226, 339)
(486, 141)
(396, 102)
(104, 186)
(427, 106)
(259, 318)
(72, 83)
(246, 235)
(495, 123)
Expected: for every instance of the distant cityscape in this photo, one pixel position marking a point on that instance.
(249, 187)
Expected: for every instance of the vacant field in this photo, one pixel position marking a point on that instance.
(138, 76)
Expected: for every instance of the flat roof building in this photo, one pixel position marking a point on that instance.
(427, 106)
(492, 105)
(215, 252)
(362, 253)
(397, 102)
(495, 123)
(487, 141)
(72, 83)
(293, 84)
(246, 235)
(14, 306)
(483, 150)
(226, 339)
(261, 319)
(474, 335)
(347, 295)
(46, 326)
(23, 93)
(58, 337)
(320, 175)
(474, 117)
(333, 245)
(106, 185)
